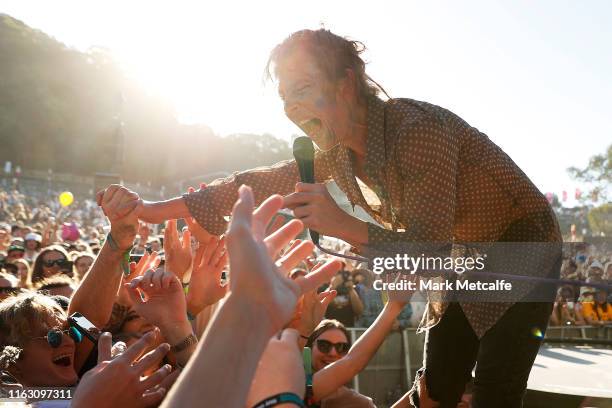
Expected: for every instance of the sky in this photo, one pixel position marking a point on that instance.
(536, 77)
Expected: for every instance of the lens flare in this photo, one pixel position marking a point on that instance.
(537, 333)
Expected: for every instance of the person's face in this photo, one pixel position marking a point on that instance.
(155, 246)
(320, 358)
(136, 324)
(566, 294)
(313, 102)
(22, 269)
(51, 268)
(600, 297)
(42, 365)
(14, 255)
(82, 265)
(31, 244)
(596, 272)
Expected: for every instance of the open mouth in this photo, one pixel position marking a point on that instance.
(64, 360)
(312, 127)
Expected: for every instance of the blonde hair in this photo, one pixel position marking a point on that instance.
(20, 316)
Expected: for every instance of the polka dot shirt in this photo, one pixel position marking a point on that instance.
(438, 180)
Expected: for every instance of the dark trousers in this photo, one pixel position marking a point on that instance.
(503, 356)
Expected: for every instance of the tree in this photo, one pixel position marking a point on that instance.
(598, 174)
(76, 112)
(600, 220)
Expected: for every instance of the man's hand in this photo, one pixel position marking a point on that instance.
(122, 382)
(315, 207)
(177, 250)
(120, 206)
(164, 301)
(205, 286)
(253, 273)
(313, 308)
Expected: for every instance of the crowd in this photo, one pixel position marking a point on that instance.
(584, 305)
(169, 315)
(171, 302)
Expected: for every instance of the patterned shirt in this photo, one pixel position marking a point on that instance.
(437, 180)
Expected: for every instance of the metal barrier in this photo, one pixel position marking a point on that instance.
(391, 371)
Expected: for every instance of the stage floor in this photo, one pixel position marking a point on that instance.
(573, 370)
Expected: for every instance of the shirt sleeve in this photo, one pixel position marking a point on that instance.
(427, 155)
(210, 205)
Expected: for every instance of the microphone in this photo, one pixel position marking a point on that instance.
(303, 151)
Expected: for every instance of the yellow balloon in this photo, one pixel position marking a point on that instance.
(66, 198)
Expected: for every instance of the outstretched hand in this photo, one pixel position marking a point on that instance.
(254, 275)
(164, 301)
(177, 250)
(205, 285)
(122, 382)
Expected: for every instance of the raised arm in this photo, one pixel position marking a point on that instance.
(330, 378)
(95, 296)
(260, 302)
(210, 205)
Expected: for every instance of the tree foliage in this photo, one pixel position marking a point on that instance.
(598, 173)
(67, 110)
(600, 220)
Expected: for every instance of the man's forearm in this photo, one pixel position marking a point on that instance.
(231, 348)
(95, 296)
(160, 211)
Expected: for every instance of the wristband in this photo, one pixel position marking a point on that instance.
(125, 257)
(282, 398)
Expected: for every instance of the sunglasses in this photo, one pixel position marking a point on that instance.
(52, 262)
(55, 336)
(325, 347)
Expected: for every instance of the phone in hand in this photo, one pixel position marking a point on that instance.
(85, 327)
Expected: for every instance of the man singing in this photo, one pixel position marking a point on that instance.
(437, 179)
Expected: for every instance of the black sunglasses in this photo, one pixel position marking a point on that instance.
(55, 336)
(59, 262)
(326, 346)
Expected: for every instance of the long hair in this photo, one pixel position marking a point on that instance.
(37, 270)
(20, 316)
(332, 53)
(325, 325)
